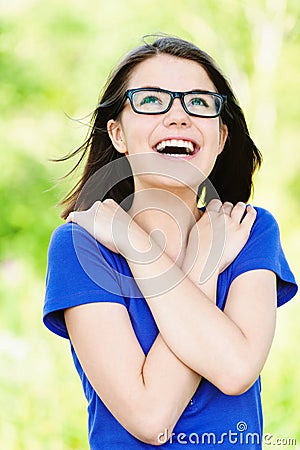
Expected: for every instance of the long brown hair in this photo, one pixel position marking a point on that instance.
(234, 168)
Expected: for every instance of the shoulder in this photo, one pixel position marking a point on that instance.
(263, 250)
(79, 271)
(265, 219)
(65, 234)
(263, 213)
(264, 237)
(62, 237)
(76, 255)
(265, 230)
(70, 239)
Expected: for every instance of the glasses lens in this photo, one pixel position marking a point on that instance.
(207, 105)
(150, 101)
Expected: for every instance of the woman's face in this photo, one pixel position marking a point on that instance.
(141, 134)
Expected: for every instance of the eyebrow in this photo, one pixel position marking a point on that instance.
(165, 89)
(152, 87)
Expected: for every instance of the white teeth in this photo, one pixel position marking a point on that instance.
(176, 143)
(190, 146)
(176, 155)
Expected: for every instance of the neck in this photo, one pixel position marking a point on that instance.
(168, 217)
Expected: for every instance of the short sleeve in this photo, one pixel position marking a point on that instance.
(80, 271)
(263, 250)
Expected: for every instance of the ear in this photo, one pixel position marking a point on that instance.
(114, 129)
(222, 137)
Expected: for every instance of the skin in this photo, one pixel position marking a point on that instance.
(148, 393)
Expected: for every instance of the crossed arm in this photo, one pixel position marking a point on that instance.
(148, 393)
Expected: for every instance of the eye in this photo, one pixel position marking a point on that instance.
(198, 101)
(152, 99)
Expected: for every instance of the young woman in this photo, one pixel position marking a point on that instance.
(169, 307)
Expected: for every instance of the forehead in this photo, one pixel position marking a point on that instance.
(172, 73)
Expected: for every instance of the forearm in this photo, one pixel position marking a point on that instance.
(167, 387)
(224, 347)
(201, 335)
(206, 284)
(145, 393)
(161, 390)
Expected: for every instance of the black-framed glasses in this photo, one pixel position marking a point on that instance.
(159, 101)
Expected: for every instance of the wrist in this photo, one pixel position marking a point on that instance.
(204, 278)
(209, 286)
(135, 244)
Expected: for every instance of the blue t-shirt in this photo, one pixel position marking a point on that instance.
(80, 271)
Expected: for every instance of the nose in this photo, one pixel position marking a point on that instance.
(176, 116)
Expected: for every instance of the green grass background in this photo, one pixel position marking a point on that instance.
(54, 59)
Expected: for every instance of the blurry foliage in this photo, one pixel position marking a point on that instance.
(26, 219)
(54, 58)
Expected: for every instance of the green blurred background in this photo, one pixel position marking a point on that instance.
(54, 58)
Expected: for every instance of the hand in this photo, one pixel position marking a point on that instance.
(106, 221)
(114, 228)
(219, 236)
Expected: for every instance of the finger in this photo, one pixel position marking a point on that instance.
(111, 202)
(70, 217)
(214, 205)
(227, 208)
(238, 211)
(250, 217)
(75, 216)
(95, 206)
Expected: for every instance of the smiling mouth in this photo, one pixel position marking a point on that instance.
(176, 147)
